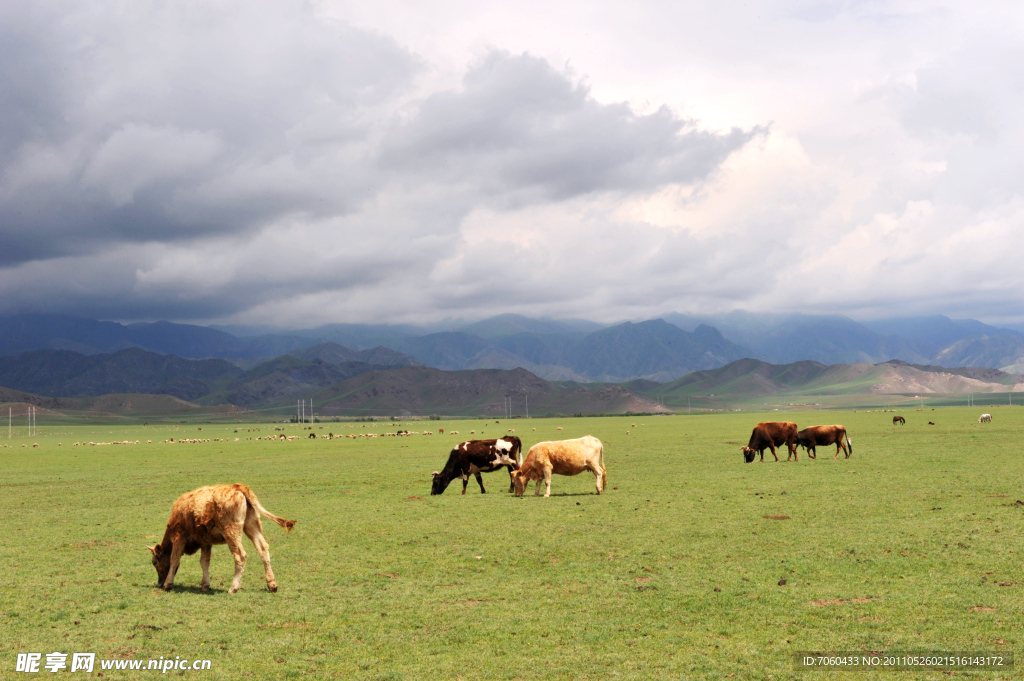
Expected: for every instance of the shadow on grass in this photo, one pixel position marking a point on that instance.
(185, 589)
(564, 494)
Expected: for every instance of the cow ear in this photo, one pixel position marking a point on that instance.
(158, 550)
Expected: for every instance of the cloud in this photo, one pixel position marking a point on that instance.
(304, 163)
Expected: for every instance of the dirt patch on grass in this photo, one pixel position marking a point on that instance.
(981, 608)
(996, 496)
(777, 517)
(641, 580)
(413, 498)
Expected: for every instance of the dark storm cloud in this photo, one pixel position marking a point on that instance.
(522, 131)
(145, 121)
(198, 161)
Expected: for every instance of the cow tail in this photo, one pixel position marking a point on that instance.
(250, 496)
(604, 471)
(849, 443)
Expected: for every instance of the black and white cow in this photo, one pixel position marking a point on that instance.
(473, 457)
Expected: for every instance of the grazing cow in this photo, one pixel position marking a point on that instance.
(809, 438)
(985, 418)
(214, 515)
(473, 457)
(931, 423)
(769, 435)
(564, 457)
(900, 420)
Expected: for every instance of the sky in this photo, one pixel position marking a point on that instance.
(294, 164)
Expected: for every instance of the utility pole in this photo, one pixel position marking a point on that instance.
(527, 396)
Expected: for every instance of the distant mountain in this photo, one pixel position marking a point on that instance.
(24, 333)
(749, 379)
(787, 338)
(932, 334)
(64, 373)
(996, 350)
(422, 390)
(653, 349)
(332, 353)
(284, 379)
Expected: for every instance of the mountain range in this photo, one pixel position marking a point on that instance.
(660, 350)
(64, 379)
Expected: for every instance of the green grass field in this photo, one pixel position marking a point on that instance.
(914, 543)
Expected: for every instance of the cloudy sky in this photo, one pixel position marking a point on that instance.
(301, 163)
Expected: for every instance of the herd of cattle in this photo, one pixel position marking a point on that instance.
(221, 514)
(772, 434)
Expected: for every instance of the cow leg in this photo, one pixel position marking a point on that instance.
(772, 447)
(536, 489)
(792, 453)
(177, 550)
(599, 482)
(254, 530)
(547, 483)
(204, 560)
(234, 540)
(480, 481)
(511, 485)
(812, 452)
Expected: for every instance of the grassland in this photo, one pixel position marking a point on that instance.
(914, 543)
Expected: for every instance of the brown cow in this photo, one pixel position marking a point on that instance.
(809, 438)
(769, 435)
(899, 419)
(564, 457)
(214, 515)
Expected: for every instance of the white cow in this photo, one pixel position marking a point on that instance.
(985, 418)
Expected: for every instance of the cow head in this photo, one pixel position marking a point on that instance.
(440, 483)
(161, 561)
(519, 480)
(749, 454)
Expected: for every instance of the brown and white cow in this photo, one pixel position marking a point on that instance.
(218, 514)
(562, 457)
(769, 435)
(473, 457)
(809, 438)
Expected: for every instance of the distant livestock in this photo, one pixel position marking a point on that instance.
(564, 457)
(473, 457)
(214, 515)
(809, 438)
(900, 420)
(769, 435)
(985, 418)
